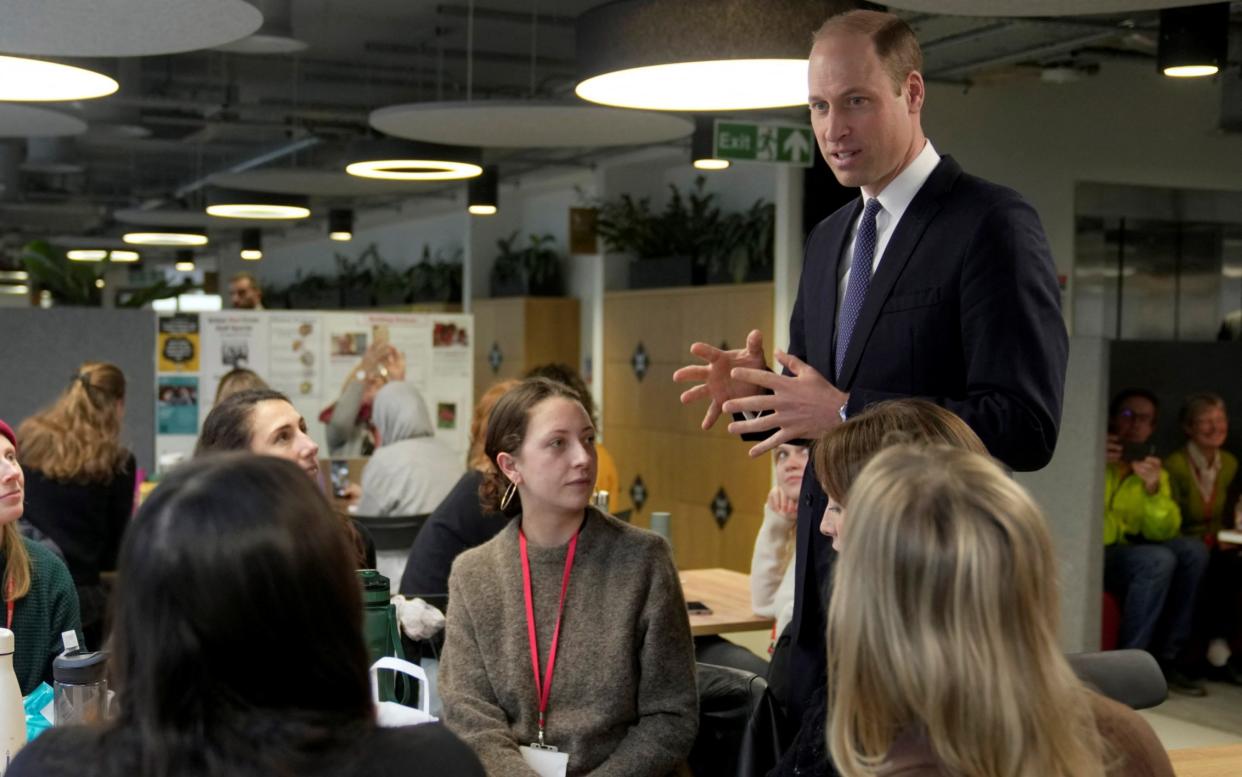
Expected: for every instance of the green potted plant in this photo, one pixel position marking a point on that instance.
(438, 279)
(391, 286)
(689, 242)
(313, 292)
(531, 270)
(70, 283)
(353, 280)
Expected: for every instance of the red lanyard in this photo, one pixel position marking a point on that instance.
(542, 690)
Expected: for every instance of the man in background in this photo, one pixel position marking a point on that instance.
(244, 292)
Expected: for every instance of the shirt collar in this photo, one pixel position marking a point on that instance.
(1200, 460)
(900, 192)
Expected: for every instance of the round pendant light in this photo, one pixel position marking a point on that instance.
(86, 255)
(1194, 41)
(341, 225)
(483, 193)
(169, 237)
(405, 161)
(237, 204)
(36, 80)
(703, 145)
(185, 261)
(124, 257)
(698, 55)
(251, 245)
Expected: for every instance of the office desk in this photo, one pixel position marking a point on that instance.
(727, 593)
(1207, 761)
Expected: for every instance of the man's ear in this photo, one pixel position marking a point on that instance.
(915, 91)
(508, 467)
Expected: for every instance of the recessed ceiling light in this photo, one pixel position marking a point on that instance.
(1194, 41)
(170, 238)
(1191, 71)
(87, 255)
(703, 145)
(35, 80)
(405, 161)
(123, 256)
(236, 204)
(482, 210)
(711, 164)
(184, 266)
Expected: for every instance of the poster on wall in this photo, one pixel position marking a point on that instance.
(309, 356)
(177, 341)
(177, 404)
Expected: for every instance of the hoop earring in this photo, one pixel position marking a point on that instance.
(508, 497)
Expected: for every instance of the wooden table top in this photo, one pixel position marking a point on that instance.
(1207, 761)
(727, 593)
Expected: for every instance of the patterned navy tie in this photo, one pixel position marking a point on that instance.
(860, 280)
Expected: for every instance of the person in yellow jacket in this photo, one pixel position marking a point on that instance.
(1148, 565)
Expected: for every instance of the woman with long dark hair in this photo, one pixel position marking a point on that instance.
(238, 647)
(80, 481)
(568, 629)
(264, 421)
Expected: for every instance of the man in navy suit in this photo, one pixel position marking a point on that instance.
(934, 284)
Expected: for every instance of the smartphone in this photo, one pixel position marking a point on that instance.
(698, 608)
(1137, 451)
(338, 470)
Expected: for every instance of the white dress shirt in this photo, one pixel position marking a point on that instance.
(894, 201)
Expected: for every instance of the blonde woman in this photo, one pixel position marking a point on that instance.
(942, 635)
(80, 481)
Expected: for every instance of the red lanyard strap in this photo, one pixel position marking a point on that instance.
(543, 689)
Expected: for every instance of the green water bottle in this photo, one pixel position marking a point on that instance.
(379, 628)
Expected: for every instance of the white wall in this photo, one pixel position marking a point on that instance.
(1127, 124)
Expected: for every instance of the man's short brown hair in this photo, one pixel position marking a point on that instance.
(895, 43)
(248, 277)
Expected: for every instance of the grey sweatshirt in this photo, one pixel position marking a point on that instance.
(623, 699)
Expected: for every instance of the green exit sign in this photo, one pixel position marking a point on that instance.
(782, 144)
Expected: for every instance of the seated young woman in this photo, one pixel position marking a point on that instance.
(40, 602)
(837, 458)
(264, 421)
(569, 627)
(942, 635)
(237, 644)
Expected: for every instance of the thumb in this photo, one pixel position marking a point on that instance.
(754, 342)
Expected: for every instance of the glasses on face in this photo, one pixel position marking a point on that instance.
(1131, 415)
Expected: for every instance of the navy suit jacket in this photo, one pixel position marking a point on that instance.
(964, 310)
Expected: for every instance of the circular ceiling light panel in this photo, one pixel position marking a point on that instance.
(321, 183)
(397, 160)
(697, 55)
(714, 85)
(166, 238)
(161, 218)
(265, 45)
(36, 80)
(123, 28)
(27, 121)
(1034, 7)
(526, 124)
(258, 206)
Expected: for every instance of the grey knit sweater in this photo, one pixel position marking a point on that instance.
(623, 699)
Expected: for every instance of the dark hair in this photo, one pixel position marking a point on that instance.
(1114, 406)
(228, 427)
(232, 560)
(506, 431)
(563, 373)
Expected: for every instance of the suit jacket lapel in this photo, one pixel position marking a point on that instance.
(822, 316)
(893, 262)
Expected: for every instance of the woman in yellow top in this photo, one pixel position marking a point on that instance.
(1201, 477)
(1153, 571)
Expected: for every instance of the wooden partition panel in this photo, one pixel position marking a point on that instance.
(653, 436)
(527, 332)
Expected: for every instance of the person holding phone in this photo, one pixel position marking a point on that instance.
(1148, 565)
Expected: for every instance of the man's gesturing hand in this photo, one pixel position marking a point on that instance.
(715, 378)
(802, 406)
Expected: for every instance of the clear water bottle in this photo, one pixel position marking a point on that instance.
(12, 713)
(80, 688)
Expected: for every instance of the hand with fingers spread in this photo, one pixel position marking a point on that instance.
(715, 378)
(801, 406)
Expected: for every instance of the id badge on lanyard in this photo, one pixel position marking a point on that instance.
(543, 758)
